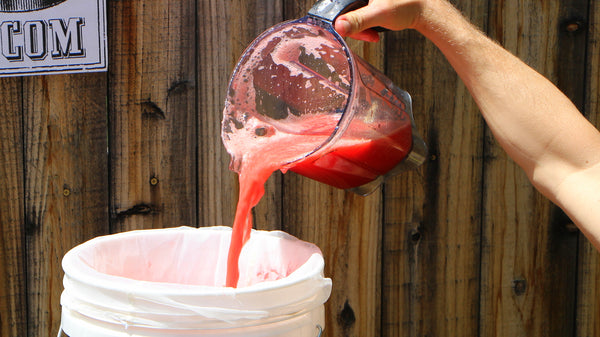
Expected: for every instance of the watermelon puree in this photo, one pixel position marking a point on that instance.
(349, 163)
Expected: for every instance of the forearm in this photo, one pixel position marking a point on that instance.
(531, 119)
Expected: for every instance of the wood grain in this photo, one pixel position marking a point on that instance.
(347, 229)
(13, 306)
(66, 182)
(152, 114)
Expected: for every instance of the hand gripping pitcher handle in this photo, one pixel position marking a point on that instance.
(328, 10)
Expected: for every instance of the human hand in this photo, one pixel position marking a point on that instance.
(390, 14)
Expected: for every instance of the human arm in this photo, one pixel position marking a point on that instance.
(536, 124)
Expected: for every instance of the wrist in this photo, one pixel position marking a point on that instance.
(453, 34)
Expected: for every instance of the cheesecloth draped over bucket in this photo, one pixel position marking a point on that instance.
(173, 279)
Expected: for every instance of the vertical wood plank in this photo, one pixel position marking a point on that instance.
(13, 310)
(345, 226)
(528, 252)
(432, 216)
(588, 281)
(347, 229)
(65, 182)
(407, 54)
(152, 114)
(217, 185)
(570, 65)
(225, 29)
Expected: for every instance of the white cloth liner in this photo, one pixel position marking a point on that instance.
(157, 279)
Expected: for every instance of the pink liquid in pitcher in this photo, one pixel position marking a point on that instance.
(354, 163)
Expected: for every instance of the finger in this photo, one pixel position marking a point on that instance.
(355, 21)
(368, 35)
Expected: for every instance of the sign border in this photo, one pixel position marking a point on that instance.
(98, 66)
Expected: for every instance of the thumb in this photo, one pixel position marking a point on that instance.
(355, 21)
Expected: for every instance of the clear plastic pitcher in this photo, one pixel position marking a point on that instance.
(170, 282)
(299, 78)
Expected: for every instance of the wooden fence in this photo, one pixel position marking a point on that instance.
(462, 247)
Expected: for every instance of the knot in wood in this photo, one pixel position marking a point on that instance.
(519, 286)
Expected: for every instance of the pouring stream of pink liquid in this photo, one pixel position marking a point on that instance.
(258, 158)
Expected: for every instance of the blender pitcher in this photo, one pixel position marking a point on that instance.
(299, 81)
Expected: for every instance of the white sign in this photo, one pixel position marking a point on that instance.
(52, 36)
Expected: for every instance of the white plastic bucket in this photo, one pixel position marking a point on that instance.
(169, 282)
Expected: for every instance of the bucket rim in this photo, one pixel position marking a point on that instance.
(76, 269)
